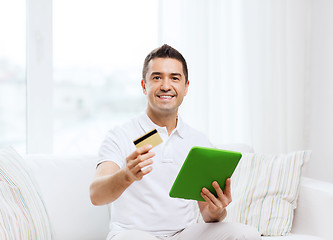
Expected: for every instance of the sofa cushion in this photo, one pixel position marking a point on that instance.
(265, 189)
(64, 183)
(22, 211)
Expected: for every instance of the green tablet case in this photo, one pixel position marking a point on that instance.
(201, 168)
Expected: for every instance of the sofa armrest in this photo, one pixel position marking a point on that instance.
(314, 212)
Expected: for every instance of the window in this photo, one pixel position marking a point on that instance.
(12, 74)
(82, 61)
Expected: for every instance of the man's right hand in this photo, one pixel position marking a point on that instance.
(139, 163)
(110, 181)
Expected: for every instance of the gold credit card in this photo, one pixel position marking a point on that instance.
(152, 138)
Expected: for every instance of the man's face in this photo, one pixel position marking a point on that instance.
(165, 85)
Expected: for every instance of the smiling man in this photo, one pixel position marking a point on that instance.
(136, 182)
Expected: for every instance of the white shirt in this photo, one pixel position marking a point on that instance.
(145, 205)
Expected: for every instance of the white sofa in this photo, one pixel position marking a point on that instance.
(64, 186)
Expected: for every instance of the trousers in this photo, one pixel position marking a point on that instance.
(199, 231)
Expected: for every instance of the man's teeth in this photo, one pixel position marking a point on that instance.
(166, 97)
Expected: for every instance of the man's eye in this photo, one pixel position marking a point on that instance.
(175, 78)
(156, 78)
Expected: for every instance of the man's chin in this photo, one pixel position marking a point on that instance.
(166, 110)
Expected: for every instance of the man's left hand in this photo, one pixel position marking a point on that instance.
(213, 209)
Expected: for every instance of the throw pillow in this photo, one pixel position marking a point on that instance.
(265, 190)
(22, 212)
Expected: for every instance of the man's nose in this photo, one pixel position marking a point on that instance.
(166, 84)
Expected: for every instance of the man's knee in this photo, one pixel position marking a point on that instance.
(240, 231)
(219, 231)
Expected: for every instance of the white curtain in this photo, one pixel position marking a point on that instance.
(247, 68)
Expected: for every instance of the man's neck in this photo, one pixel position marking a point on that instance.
(168, 120)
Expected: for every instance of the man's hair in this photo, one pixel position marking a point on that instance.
(164, 51)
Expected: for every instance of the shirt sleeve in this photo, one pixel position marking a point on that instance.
(110, 150)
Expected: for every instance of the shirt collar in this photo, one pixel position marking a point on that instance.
(147, 124)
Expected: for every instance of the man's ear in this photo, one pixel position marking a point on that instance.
(186, 86)
(143, 85)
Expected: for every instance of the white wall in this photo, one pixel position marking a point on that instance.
(319, 91)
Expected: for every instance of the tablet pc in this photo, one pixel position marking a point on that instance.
(201, 168)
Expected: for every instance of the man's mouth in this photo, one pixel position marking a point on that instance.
(165, 96)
